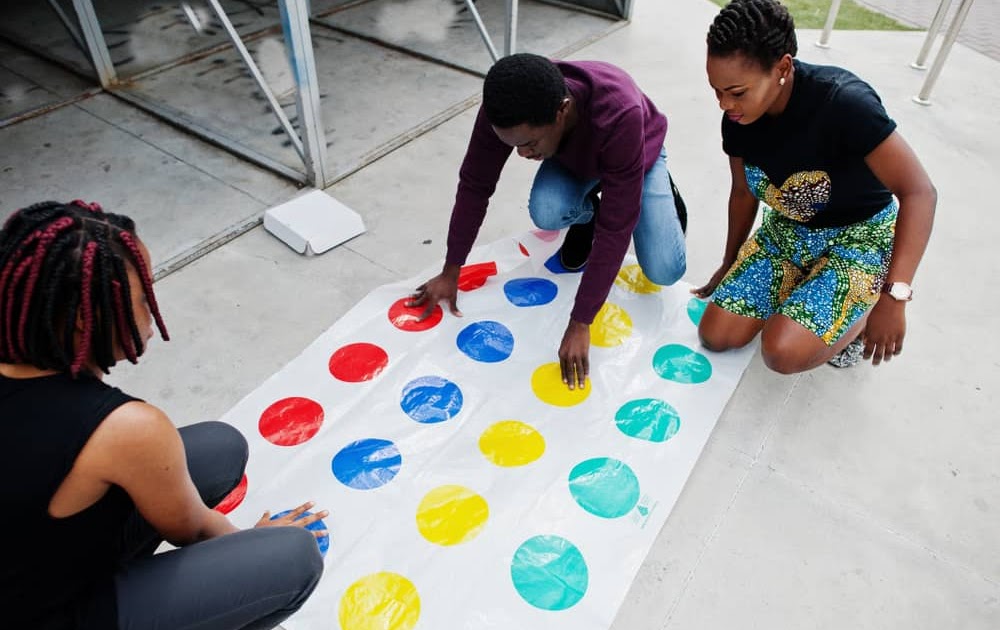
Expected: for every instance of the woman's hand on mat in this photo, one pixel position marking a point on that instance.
(574, 354)
(709, 287)
(885, 330)
(295, 518)
(443, 286)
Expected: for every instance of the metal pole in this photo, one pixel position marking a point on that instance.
(942, 10)
(949, 39)
(471, 6)
(68, 24)
(257, 76)
(98, 48)
(295, 22)
(831, 17)
(510, 32)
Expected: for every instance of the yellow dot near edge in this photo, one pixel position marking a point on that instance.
(632, 279)
(611, 326)
(449, 515)
(547, 384)
(511, 443)
(380, 601)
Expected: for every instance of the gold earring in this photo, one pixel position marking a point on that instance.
(781, 81)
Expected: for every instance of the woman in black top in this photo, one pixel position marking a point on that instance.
(827, 275)
(94, 480)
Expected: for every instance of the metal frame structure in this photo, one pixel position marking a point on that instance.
(924, 96)
(310, 141)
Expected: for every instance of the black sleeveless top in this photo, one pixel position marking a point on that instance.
(55, 573)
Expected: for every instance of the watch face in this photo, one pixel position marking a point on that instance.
(900, 291)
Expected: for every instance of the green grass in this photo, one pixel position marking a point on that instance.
(851, 17)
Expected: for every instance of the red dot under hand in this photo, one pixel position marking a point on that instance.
(291, 421)
(405, 318)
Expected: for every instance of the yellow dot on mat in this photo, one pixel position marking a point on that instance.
(449, 515)
(380, 601)
(511, 443)
(632, 279)
(547, 384)
(611, 327)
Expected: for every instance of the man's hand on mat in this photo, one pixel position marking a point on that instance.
(709, 287)
(885, 330)
(574, 354)
(295, 518)
(443, 286)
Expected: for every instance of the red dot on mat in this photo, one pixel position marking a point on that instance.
(234, 498)
(405, 318)
(358, 362)
(291, 421)
(524, 250)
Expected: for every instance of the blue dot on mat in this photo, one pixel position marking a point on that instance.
(486, 341)
(604, 487)
(319, 526)
(431, 399)
(549, 572)
(648, 419)
(681, 364)
(367, 464)
(696, 308)
(554, 265)
(530, 291)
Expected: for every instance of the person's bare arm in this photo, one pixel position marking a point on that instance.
(137, 448)
(742, 212)
(896, 165)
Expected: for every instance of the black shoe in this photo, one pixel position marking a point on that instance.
(579, 240)
(682, 213)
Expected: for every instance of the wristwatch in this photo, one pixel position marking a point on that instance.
(899, 291)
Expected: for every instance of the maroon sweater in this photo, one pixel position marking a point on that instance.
(617, 137)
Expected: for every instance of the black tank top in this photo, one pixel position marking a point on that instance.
(55, 573)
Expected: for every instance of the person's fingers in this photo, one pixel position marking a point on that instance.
(319, 533)
(295, 513)
(878, 353)
(417, 299)
(583, 372)
(869, 348)
(453, 306)
(899, 346)
(564, 368)
(310, 519)
(427, 312)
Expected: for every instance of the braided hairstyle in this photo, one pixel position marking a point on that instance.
(523, 89)
(761, 30)
(64, 263)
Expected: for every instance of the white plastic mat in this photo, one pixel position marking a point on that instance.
(467, 487)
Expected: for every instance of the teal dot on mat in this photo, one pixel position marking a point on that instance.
(549, 572)
(648, 419)
(604, 487)
(681, 364)
(696, 308)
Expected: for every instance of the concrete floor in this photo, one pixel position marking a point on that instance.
(862, 498)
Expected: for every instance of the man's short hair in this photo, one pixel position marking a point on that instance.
(523, 89)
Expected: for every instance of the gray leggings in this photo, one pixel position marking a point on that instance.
(253, 579)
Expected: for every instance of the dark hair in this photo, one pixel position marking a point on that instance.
(761, 30)
(64, 263)
(523, 89)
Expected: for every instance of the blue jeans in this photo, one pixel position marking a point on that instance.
(559, 199)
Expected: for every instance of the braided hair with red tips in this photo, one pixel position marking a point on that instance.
(63, 271)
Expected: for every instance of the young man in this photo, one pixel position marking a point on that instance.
(593, 130)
